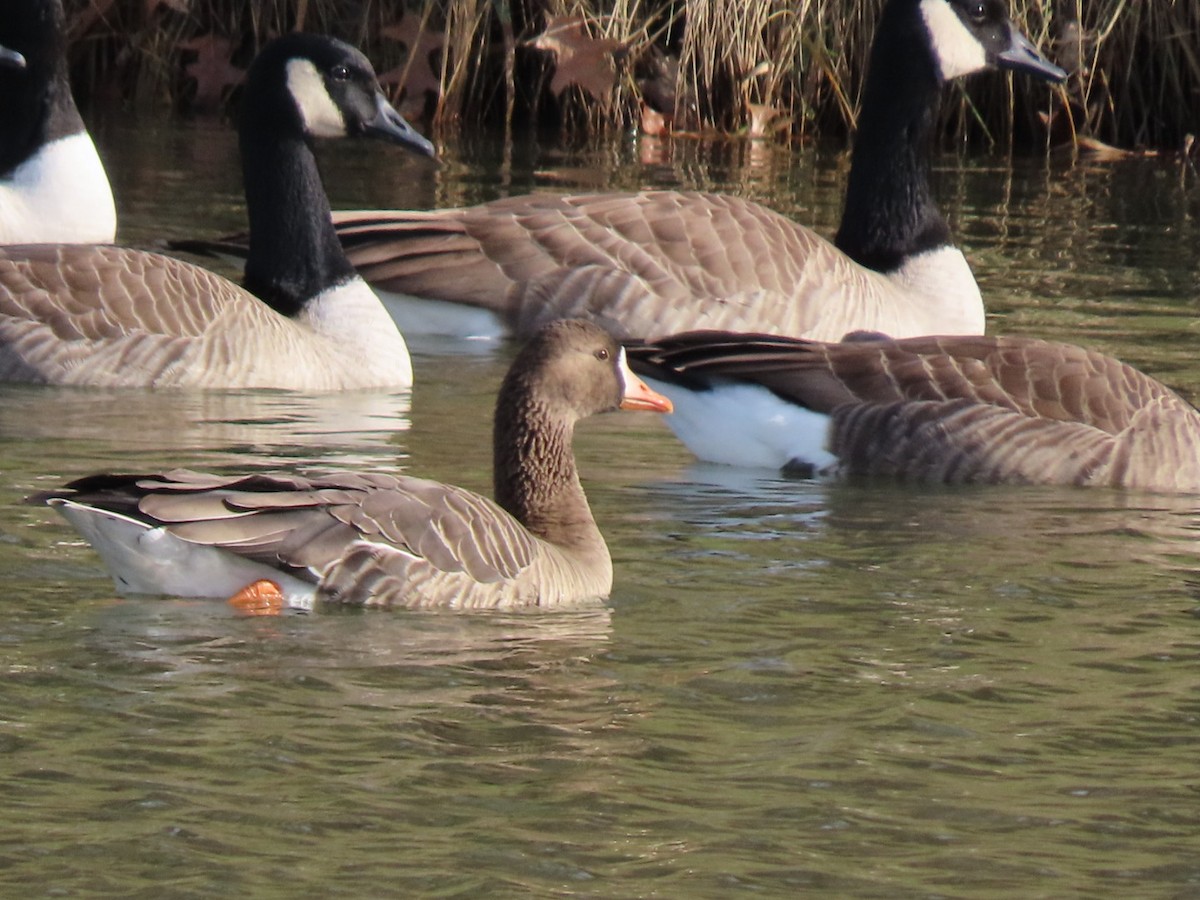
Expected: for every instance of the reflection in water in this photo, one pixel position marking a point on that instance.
(258, 429)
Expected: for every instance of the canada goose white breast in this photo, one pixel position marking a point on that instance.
(60, 194)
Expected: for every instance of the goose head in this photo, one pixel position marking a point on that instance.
(333, 92)
(572, 369)
(968, 36)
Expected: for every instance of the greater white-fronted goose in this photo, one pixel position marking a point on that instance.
(52, 184)
(387, 540)
(936, 409)
(658, 262)
(112, 316)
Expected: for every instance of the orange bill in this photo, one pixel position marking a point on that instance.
(638, 395)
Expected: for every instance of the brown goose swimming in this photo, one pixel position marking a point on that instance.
(387, 540)
(96, 315)
(52, 184)
(942, 409)
(657, 262)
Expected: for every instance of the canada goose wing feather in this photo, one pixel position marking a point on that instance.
(1040, 379)
(105, 315)
(645, 264)
(960, 441)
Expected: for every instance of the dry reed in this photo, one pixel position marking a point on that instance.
(715, 65)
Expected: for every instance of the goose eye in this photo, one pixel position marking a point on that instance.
(339, 73)
(602, 354)
(979, 12)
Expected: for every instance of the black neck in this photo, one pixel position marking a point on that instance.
(534, 469)
(36, 105)
(890, 213)
(294, 251)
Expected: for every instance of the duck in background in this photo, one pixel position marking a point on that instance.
(53, 187)
(97, 315)
(382, 539)
(952, 409)
(656, 262)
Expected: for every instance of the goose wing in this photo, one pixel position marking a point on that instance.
(961, 408)
(1038, 379)
(641, 264)
(104, 315)
(366, 538)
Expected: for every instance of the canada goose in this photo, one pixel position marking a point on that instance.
(387, 540)
(941, 409)
(112, 316)
(657, 262)
(52, 183)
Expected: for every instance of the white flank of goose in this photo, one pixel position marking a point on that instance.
(382, 539)
(112, 316)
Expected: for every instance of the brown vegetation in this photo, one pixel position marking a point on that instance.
(753, 67)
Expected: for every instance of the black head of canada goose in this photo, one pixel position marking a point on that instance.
(382, 539)
(52, 184)
(657, 262)
(111, 316)
(949, 409)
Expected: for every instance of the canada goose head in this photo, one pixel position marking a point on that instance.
(299, 88)
(968, 36)
(333, 89)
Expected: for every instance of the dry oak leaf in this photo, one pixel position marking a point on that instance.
(212, 70)
(580, 59)
(416, 73)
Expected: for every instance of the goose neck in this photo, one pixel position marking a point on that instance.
(294, 252)
(890, 213)
(536, 479)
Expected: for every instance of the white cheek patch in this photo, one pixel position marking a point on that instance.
(321, 116)
(956, 51)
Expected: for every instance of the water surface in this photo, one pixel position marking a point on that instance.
(845, 689)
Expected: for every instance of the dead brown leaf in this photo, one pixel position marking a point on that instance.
(580, 59)
(212, 70)
(417, 74)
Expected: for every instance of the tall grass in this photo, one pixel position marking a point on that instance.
(719, 64)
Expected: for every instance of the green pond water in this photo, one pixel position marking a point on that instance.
(797, 688)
